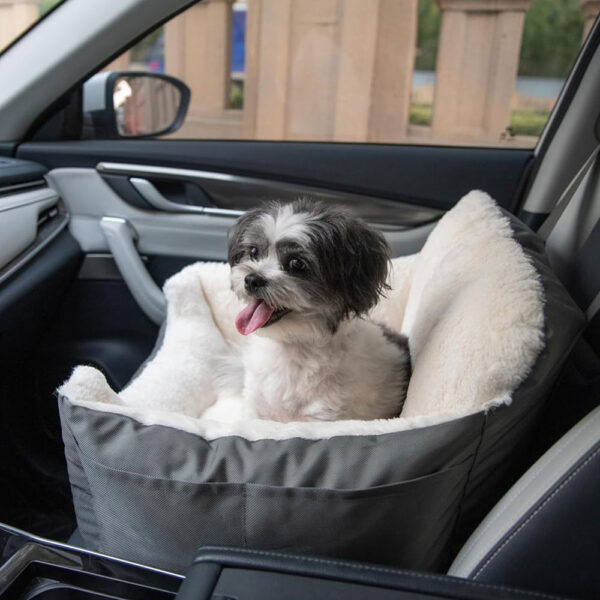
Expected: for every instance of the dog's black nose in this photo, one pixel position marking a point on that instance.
(254, 281)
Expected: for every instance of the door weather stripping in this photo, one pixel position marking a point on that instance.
(120, 239)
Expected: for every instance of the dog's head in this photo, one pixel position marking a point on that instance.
(303, 267)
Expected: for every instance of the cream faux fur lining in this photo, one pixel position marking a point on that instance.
(470, 302)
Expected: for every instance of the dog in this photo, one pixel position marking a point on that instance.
(309, 273)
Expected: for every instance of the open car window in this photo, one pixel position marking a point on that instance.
(426, 72)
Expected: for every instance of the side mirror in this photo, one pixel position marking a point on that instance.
(126, 104)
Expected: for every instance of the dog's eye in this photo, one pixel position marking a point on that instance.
(297, 265)
(253, 251)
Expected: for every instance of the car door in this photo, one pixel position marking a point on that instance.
(155, 206)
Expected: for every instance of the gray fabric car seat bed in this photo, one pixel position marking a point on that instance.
(154, 477)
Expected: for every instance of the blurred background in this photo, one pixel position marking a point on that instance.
(460, 72)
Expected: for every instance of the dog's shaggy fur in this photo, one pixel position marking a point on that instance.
(309, 273)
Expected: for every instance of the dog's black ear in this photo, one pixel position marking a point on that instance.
(364, 266)
(235, 250)
(353, 258)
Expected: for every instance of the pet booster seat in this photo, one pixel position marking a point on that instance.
(489, 327)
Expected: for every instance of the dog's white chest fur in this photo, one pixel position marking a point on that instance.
(356, 373)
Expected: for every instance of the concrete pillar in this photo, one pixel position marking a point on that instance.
(590, 10)
(313, 63)
(198, 51)
(477, 63)
(15, 17)
(268, 28)
(329, 69)
(174, 48)
(375, 76)
(121, 63)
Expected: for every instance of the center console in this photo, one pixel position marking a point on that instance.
(33, 568)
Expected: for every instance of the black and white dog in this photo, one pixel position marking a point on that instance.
(309, 274)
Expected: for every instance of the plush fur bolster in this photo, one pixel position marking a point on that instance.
(470, 302)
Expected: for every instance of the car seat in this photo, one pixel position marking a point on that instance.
(545, 532)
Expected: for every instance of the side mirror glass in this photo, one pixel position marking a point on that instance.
(124, 104)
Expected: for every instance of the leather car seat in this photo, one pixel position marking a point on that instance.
(545, 532)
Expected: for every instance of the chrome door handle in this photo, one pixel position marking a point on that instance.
(147, 190)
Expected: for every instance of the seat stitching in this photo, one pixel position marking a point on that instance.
(535, 473)
(371, 568)
(534, 513)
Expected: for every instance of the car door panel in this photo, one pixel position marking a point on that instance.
(224, 194)
(102, 222)
(407, 187)
(34, 478)
(426, 176)
(89, 199)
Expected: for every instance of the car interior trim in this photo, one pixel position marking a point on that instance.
(198, 236)
(236, 566)
(15, 172)
(148, 295)
(61, 546)
(101, 267)
(533, 220)
(101, 34)
(13, 201)
(428, 176)
(568, 90)
(45, 236)
(225, 188)
(571, 145)
(147, 190)
(17, 187)
(525, 495)
(30, 221)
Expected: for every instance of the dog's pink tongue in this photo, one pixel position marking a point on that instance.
(253, 317)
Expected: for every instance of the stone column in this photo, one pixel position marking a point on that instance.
(198, 51)
(15, 17)
(121, 63)
(477, 63)
(590, 10)
(268, 32)
(375, 76)
(329, 69)
(174, 48)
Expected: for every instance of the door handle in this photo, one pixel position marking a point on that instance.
(120, 239)
(155, 199)
(149, 192)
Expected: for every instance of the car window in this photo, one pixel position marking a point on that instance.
(17, 16)
(446, 72)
